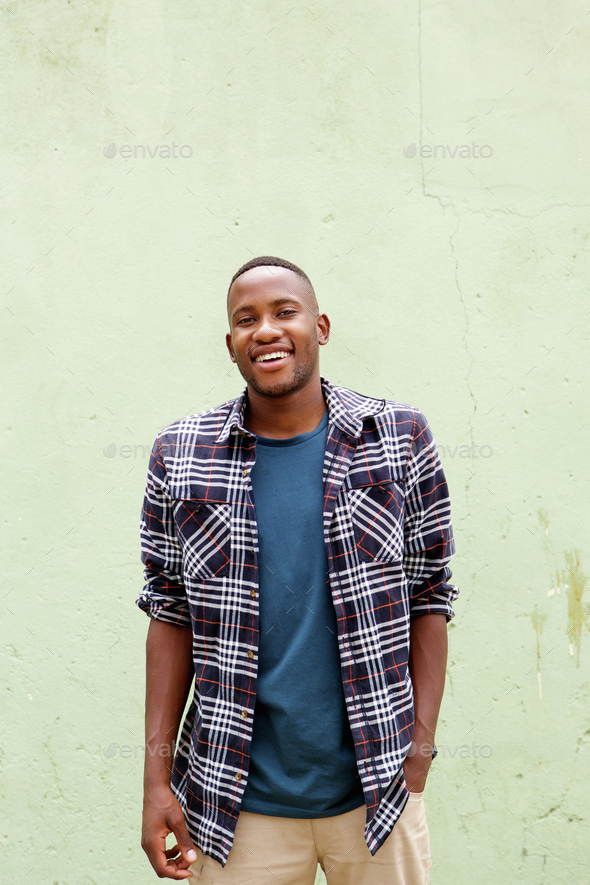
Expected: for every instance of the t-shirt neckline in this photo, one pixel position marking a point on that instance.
(295, 440)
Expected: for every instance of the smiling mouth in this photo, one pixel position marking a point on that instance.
(272, 357)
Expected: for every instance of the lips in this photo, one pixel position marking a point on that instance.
(272, 360)
(269, 356)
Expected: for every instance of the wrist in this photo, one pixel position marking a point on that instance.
(422, 750)
(155, 777)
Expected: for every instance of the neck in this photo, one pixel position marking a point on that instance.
(280, 417)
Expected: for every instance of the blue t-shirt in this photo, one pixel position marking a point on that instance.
(302, 759)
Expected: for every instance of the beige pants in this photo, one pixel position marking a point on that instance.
(286, 851)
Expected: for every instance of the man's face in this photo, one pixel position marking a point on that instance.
(275, 330)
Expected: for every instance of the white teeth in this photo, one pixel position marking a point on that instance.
(271, 356)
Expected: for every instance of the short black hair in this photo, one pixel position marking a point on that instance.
(273, 261)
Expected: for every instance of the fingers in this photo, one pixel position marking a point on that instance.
(171, 865)
(160, 819)
(185, 844)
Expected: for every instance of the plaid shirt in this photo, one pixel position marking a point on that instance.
(388, 537)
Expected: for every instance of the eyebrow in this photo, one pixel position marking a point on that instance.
(275, 303)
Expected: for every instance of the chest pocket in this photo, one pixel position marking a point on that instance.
(204, 532)
(377, 512)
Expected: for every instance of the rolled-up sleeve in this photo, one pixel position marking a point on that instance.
(428, 533)
(163, 596)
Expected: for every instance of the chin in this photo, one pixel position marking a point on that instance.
(298, 379)
(276, 388)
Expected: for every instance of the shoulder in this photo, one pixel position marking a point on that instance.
(406, 418)
(382, 413)
(204, 425)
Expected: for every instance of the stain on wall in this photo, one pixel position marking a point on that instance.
(573, 580)
(538, 618)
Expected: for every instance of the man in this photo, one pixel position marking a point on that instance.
(296, 543)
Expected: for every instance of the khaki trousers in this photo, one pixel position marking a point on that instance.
(286, 851)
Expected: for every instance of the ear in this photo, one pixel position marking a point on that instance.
(323, 329)
(232, 355)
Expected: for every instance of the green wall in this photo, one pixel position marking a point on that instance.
(457, 283)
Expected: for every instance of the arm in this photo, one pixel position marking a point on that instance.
(428, 661)
(169, 674)
(429, 545)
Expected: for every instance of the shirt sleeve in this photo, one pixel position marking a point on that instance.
(428, 540)
(163, 596)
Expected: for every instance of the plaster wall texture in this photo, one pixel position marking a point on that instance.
(457, 282)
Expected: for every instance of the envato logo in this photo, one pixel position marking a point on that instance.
(126, 451)
(471, 451)
(458, 150)
(145, 150)
(463, 751)
(130, 751)
(168, 751)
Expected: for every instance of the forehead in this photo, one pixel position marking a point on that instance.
(264, 284)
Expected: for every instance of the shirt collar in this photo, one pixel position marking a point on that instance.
(346, 410)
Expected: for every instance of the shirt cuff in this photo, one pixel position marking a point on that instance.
(165, 608)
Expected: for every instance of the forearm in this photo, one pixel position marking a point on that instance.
(427, 662)
(169, 674)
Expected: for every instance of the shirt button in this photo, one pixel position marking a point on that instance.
(245, 473)
(250, 654)
(253, 594)
(245, 714)
(238, 775)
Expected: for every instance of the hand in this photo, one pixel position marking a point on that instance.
(416, 768)
(162, 815)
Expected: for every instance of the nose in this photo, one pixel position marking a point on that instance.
(266, 331)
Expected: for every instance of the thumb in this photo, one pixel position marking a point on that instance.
(184, 841)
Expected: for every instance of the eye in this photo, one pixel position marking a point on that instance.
(243, 320)
(287, 310)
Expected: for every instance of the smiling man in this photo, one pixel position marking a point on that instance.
(296, 544)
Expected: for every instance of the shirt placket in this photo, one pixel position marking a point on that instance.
(338, 465)
(249, 623)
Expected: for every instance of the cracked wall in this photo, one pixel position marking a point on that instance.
(356, 142)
